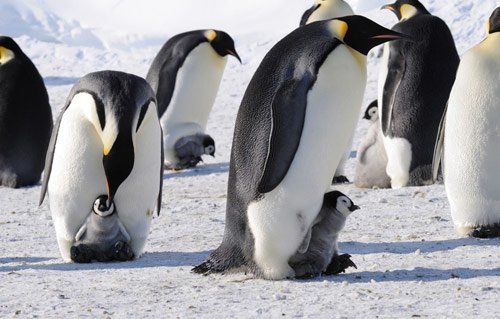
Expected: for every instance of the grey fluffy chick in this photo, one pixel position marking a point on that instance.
(189, 150)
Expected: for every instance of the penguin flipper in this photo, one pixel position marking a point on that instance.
(396, 71)
(305, 243)
(308, 14)
(50, 155)
(162, 170)
(288, 111)
(437, 159)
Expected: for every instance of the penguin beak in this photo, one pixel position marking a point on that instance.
(354, 208)
(235, 54)
(389, 7)
(391, 35)
(118, 163)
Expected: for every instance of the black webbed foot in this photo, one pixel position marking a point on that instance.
(121, 251)
(339, 264)
(81, 254)
(484, 232)
(341, 179)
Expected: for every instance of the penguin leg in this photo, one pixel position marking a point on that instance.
(484, 232)
(224, 258)
(339, 264)
(399, 155)
(421, 175)
(121, 251)
(81, 254)
(311, 268)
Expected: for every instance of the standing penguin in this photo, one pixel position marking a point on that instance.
(372, 159)
(107, 141)
(25, 118)
(414, 85)
(319, 252)
(469, 141)
(323, 10)
(326, 9)
(185, 76)
(281, 162)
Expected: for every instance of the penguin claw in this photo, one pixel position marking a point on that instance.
(341, 179)
(203, 268)
(485, 232)
(339, 264)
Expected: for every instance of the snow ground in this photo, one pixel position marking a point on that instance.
(411, 262)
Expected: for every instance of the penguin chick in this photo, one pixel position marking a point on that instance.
(102, 237)
(319, 248)
(189, 150)
(372, 158)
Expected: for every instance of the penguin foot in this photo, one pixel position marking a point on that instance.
(341, 179)
(204, 268)
(339, 264)
(484, 232)
(121, 252)
(81, 254)
(184, 163)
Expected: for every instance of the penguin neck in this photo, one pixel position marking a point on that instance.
(491, 44)
(360, 58)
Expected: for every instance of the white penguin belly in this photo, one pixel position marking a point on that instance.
(281, 219)
(194, 94)
(472, 142)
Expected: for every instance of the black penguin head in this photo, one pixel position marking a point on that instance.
(102, 208)
(405, 9)
(371, 112)
(494, 22)
(8, 49)
(118, 105)
(222, 43)
(362, 34)
(340, 202)
(209, 145)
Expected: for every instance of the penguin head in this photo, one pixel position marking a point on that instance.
(118, 105)
(341, 202)
(8, 50)
(371, 113)
(222, 43)
(494, 22)
(101, 207)
(405, 9)
(209, 145)
(361, 34)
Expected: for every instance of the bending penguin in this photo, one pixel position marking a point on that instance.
(323, 10)
(185, 76)
(414, 85)
(372, 159)
(470, 149)
(326, 9)
(25, 118)
(107, 142)
(319, 252)
(280, 165)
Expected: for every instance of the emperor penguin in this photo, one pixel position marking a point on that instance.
(323, 10)
(281, 159)
(319, 251)
(185, 76)
(326, 9)
(469, 143)
(414, 85)
(25, 118)
(371, 158)
(107, 141)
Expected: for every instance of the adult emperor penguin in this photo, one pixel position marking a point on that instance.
(107, 141)
(323, 10)
(186, 75)
(326, 9)
(469, 142)
(319, 252)
(372, 158)
(414, 86)
(295, 104)
(25, 117)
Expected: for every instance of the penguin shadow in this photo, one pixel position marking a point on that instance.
(202, 170)
(59, 80)
(357, 248)
(148, 260)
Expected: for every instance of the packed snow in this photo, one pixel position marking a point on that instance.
(411, 262)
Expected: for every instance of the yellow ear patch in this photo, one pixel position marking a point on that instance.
(407, 11)
(488, 27)
(338, 28)
(210, 35)
(6, 55)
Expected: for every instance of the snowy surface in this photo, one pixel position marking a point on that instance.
(411, 262)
